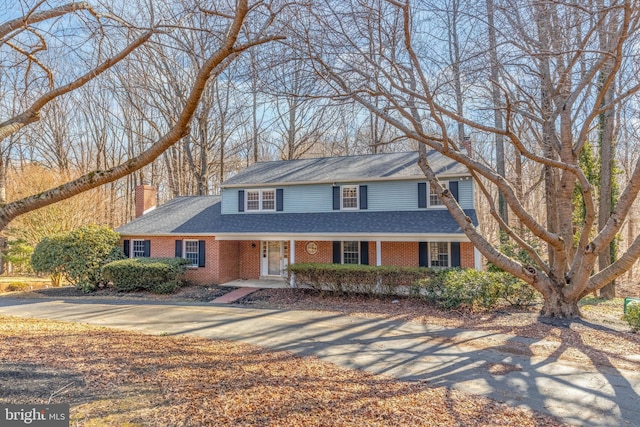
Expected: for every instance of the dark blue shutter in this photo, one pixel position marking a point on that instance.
(336, 198)
(423, 254)
(201, 253)
(147, 248)
(337, 253)
(241, 201)
(364, 253)
(453, 188)
(178, 248)
(455, 254)
(422, 194)
(126, 245)
(363, 197)
(279, 200)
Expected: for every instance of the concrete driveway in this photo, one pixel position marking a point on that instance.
(408, 351)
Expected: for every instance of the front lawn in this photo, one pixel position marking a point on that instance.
(121, 378)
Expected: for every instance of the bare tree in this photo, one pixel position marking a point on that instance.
(545, 91)
(230, 45)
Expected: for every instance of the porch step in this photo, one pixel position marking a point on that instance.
(234, 295)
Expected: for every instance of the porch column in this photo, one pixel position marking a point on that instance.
(292, 260)
(477, 259)
(378, 253)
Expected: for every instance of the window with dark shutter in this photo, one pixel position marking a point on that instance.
(241, 201)
(126, 247)
(201, 253)
(422, 194)
(363, 197)
(336, 198)
(364, 253)
(453, 188)
(178, 248)
(337, 252)
(147, 248)
(423, 254)
(455, 254)
(279, 200)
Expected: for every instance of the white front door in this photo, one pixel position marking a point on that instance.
(272, 260)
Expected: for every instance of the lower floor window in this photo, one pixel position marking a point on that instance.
(138, 250)
(438, 254)
(351, 252)
(191, 251)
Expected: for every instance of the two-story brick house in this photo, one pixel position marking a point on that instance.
(371, 209)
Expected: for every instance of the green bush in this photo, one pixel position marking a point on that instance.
(455, 288)
(158, 275)
(633, 317)
(50, 256)
(355, 278)
(449, 288)
(78, 255)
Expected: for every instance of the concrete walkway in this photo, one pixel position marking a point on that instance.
(413, 352)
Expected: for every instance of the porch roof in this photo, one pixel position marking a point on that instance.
(201, 215)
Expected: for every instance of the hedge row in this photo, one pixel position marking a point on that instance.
(158, 275)
(447, 288)
(356, 278)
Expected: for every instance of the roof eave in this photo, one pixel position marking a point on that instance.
(334, 181)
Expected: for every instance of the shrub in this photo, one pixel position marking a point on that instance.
(450, 288)
(50, 256)
(158, 275)
(633, 317)
(473, 289)
(78, 255)
(355, 278)
(17, 286)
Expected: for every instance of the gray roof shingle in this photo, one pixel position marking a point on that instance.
(201, 215)
(344, 169)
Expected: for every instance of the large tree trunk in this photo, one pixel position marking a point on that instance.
(555, 305)
(497, 113)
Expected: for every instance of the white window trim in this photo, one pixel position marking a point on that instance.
(260, 200)
(342, 251)
(184, 252)
(357, 207)
(429, 205)
(133, 245)
(448, 256)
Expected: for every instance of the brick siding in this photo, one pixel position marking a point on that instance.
(467, 255)
(228, 260)
(401, 254)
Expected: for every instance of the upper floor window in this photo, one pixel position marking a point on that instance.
(434, 197)
(261, 200)
(138, 249)
(349, 199)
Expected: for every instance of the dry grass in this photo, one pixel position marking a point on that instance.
(122, 378)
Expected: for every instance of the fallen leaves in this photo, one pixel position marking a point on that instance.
(138, 379)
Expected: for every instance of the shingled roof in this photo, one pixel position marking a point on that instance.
(194, 215)
(344, 169)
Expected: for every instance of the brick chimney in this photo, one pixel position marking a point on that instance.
(146, 199)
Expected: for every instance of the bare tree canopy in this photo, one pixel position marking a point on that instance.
(554, 72)
(47, 62)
